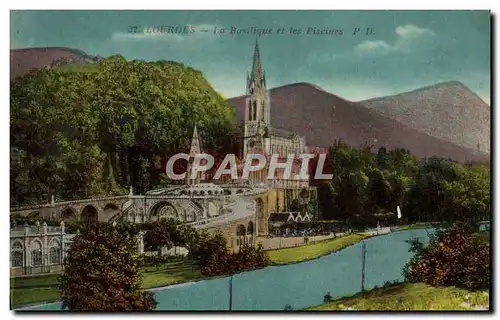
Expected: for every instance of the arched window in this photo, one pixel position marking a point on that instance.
(36, 253)
(210, 192)
(55, 252)
(17, 254)
(202, 193)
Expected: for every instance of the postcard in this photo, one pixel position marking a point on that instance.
(250, 161)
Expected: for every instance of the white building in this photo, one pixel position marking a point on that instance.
(38, 249)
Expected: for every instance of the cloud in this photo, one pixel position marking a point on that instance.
(409, 39)
(408, 36)
(411, 30)
(201, 31)
(373, 46)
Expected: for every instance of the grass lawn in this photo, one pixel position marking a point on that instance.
(31, 290)
(170, 273)
(315, 250)
(411, 296)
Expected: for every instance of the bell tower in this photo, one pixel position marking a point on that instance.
(257, 106)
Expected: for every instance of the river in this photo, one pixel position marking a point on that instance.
(300, 285)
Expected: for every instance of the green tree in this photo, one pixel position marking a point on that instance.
(453, 257)
(351, 199)
(379, 191)
(101, 274)
(162, 233)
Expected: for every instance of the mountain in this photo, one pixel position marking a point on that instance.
(22, 61)
(449, 111)
(323, 117)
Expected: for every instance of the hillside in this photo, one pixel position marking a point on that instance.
(75, 133)
(448, 111)
(22, 61)
(323, 117)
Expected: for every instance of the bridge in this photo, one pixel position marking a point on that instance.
(186, 203)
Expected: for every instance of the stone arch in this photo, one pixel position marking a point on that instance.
(36, 252)
(68, 213)
(17, 245)
(55, 251)
(54, 242)
(16, 254)
(109, 211)
(89, 214)
(163, 210)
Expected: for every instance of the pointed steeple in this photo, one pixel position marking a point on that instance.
(194, 150)
(195, 144)
(256, 65)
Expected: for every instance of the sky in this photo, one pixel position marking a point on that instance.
(360, 55)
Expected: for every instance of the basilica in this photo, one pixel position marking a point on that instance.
(260, 136)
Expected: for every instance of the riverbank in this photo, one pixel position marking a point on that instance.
(30, 290)
(315, 250)
(40, 289)
(410, 296)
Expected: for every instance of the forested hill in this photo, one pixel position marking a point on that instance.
(97, 128)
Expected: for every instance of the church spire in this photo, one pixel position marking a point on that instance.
(256, 65)
(193, 151)
(195, 143)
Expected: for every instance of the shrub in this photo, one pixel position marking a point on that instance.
(101, 274)
(453, 257)
(247, 258)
